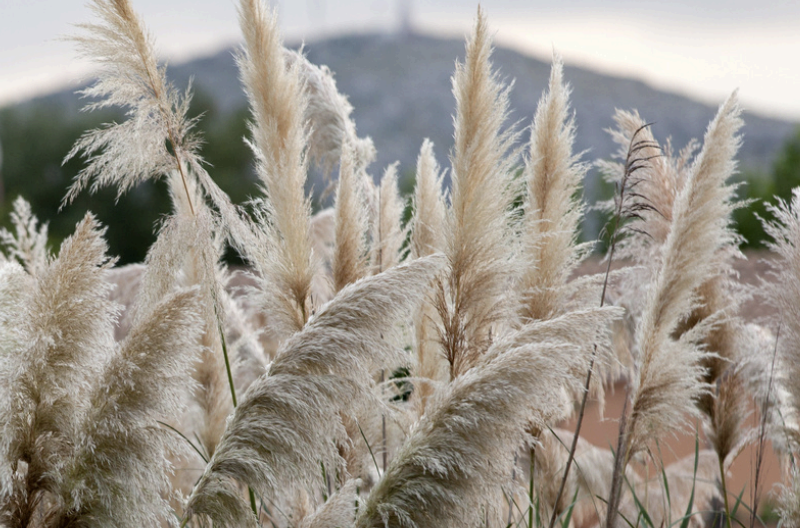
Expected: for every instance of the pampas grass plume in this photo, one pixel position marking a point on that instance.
(458, 461)
(118, 473)
(428, 218)
(286, 423)
(135, 150)
(28, 243)
(328, 116)
(477, 231)
(552, 211)
(278, 107)
(783, 293)
(388, 234)
(350, 254)
(669, 376)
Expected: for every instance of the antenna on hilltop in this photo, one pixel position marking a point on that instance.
(2, 188)
(405, 26)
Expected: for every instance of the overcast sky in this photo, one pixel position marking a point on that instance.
(704, 48)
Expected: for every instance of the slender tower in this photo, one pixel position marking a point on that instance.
(2, 189)
(404, 17)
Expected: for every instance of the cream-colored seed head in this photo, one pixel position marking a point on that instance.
(477, 232)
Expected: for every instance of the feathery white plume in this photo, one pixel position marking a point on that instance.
(28, 244)
(669, 372)
(135, 150)
(458, 461)
(783, 293)
(388, 234)
(339, 510)
(349, 258)
(473, 298)
(428, 220)
(669, 376)
(287, 421)
(62, 328)
(552, 211)
(278, 105)
(328, 116)
(118, 471)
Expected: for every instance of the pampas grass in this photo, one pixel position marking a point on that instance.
(427, 237)
(278, 106)
(669, 377)
(128, 153)
(453, 469)
(328, 116)
(286, 421)
(719, 297)
(28, 243)
(374, 372)
(783, 295)
(388, 234)
(81, 424)
(118, 472)
(351, 220)
(55, 328)
(553, 212)
(477, 230)
(429, 205)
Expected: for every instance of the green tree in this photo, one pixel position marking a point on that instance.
(36, 136)
(786, 169)
(766, 188)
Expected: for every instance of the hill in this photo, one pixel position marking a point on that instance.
(401, 91)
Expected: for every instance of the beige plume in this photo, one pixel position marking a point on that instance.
(287, 421)
(118, 472)
(552, 211)
(473, 298)
(278, 107)
(458, 461)
(350, 253)
(388, 234)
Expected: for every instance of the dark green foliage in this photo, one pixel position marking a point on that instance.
(757, 189)
(35, 138)
(403, 386)
(767, 188)
(786, 169)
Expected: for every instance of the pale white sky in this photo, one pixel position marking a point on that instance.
(704, 48)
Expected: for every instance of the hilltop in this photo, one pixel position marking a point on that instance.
(400, 88)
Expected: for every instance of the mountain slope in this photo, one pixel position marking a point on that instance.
(401, 91)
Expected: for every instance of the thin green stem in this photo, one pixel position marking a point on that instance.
(377, 469)
(252, 500)
(225, 354)
(530, 488)
(725, 493)
(250, 492)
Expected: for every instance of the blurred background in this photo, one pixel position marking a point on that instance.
(674, 62)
